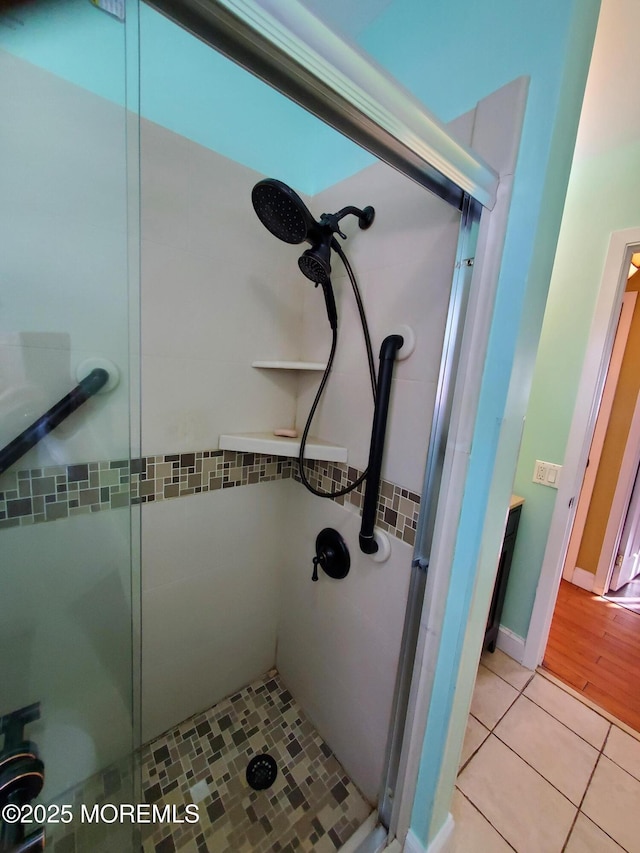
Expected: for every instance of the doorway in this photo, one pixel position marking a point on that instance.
(593, 644)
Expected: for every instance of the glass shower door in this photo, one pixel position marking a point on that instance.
(68, 303)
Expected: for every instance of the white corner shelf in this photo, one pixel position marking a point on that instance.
(290, 365)
(275, 445)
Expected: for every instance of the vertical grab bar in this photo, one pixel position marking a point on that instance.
(388, 352)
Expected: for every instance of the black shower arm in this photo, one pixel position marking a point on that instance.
(27, 439)
(330, 220)
(388, 352)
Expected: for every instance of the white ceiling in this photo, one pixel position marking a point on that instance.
(611, 109)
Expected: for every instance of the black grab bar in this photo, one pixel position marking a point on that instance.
(86, 388)
(388, 352)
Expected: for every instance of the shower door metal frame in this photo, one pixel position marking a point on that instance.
(286, 46)
(306, 61)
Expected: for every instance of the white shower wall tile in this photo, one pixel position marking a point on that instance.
(407, 224)
(48, 120)
(316, 332)
(189, 402)
(405, 265)
(63, 264)
(218, 292)
(185, 682)
(66, 628)
(219, 310)
(410, 415)
(343, 416)
(67, 277)
(188, 533)
(339, 641)
(210, 601)
(221, 215)
(414, 294)
(164, 186)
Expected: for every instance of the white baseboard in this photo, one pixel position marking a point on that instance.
(440, 844)
(583, 579)
(412, 845)
(510, 643)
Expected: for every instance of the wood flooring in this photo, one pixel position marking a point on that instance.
(594, 647)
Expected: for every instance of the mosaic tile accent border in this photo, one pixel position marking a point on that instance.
(398, 508)
(47, 494)
(59, 491)
(311, 806)
(156, 478)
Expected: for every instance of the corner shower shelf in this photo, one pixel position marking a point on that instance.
(275, 445)
(289, 365)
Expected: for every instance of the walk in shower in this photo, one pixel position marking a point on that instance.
(157, 597)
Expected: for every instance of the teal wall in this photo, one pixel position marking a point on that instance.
(425, 46)
(603, 197)
(198, 93)
(72, 39)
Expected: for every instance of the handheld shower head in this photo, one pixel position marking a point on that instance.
(282, 211)
(315, 263)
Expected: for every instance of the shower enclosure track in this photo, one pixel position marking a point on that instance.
(28, 438)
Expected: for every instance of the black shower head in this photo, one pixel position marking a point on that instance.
(282, 211)
(315, 263)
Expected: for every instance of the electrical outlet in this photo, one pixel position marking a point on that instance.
(547, 474)
(539, 472)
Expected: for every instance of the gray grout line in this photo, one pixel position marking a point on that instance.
(524, 760)
(486, 818)
(600, 752)
(580, 812)
(542, 708)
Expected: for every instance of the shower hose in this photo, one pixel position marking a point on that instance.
(372, 375)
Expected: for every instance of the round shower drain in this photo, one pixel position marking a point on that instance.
(261, 771)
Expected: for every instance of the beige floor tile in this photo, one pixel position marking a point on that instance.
(474, 736)
(563, 758)
(522, 806)
(570, 711)
(492, 697)
(624, 750)
(586, 837)
(613, 803)
(507, 668)
(473, 832)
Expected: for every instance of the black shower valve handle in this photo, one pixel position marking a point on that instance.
(314, 576)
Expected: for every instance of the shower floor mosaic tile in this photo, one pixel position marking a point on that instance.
(311, 806)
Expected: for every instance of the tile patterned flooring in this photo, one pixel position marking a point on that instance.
(311, 806)
(542, 772)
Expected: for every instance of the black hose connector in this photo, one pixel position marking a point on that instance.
(388, 352)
